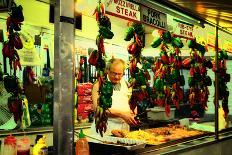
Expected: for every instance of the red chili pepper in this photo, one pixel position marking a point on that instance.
(203, 70)
(176, 103)
(171, 58)
(191, 71)
(174, 86)
(164, 57)
(132, 48)
(138, 41)
(93, 58)
(19, 64)
(147, 75)
(82, 61)
(102, 8)
(186, 63)
(167, 110)
(177, 50)
(97, 16)
(163, 47)
(8, 23)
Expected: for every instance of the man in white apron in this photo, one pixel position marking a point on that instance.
(120, 115)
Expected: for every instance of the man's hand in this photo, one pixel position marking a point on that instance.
(129, 118)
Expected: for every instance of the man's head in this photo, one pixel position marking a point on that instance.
(115, 70)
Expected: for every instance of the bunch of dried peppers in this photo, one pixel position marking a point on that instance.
(97, 59)
(167, 72)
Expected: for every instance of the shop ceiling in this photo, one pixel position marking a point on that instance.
(215, 12)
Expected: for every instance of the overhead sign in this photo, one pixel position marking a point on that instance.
(183, 29)
(153, 17)
(123, 9)
(29, 57)
(28, 54)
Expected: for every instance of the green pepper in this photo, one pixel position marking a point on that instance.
(142, 78)
(106, 102)
(197, 77)
(139, 29)
(200, 48)
(167, 37)
(224, 55)
(191, 81)
(105, 21)
(159, 84)
(192, 44)
(220, 56)
(106, 32)
(129, 34)
(107, 89)
(156, 42)
(175, 75)
(176, 42)
(101, 64)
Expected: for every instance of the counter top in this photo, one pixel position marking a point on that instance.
(37, 130)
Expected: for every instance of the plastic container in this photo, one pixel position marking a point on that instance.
(40, 147)
(82, 145)
(158, 113)
(23, 146)
(10, 147)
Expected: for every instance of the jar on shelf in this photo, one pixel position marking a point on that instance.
(10, 147)
(23, 146)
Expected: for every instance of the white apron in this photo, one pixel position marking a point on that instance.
(120, 101)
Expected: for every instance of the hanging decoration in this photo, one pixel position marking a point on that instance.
(28, 75)
(80, 71)
(139, 74)
(198, 80)
(97, 59)
(167, 72)
(14, 43)
(223, 78)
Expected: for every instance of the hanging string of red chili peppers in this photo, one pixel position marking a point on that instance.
(198, 80)
(167, 76)
(223, 78)
(97, 59)
(80, 74)
(138, 68)
(14, 42)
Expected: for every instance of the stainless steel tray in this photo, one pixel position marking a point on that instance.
(129, 144)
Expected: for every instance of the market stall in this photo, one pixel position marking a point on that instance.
(170, 68)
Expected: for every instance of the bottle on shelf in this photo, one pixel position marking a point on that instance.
(82, 145)
(40, 147)
(23, 146)
(10, 147)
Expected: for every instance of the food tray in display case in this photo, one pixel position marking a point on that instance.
(129, 144)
